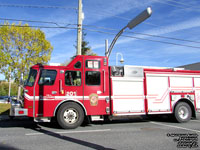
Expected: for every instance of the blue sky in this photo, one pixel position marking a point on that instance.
(178, 19)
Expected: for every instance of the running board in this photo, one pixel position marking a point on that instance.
(97, 118)
(42, 119)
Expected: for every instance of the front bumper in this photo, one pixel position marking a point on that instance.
(17, 109)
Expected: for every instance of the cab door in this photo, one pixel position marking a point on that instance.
(72, 84)
(96, 89)
(46, 91)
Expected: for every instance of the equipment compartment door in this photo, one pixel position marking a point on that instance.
(158, 94)
(197, 93)
(128, 96)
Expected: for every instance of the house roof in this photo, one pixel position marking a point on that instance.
(195, 66)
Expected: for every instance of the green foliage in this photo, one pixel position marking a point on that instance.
(4, 109)
(4, 87)
(85, 49)
(21, 47)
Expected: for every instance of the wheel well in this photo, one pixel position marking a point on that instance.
(189, 103)
(69, 101)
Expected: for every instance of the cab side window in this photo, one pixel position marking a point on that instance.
(92, 78)
(77, 65)
(47, 77)
(73, 78)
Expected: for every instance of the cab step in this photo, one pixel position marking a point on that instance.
(42, 119)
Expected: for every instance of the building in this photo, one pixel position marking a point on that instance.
(195, 66)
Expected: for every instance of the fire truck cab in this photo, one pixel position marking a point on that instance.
(88, 87)
(68, 93)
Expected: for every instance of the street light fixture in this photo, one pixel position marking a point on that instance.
(121, 60)
(134, 22)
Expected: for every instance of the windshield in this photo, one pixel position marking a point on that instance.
(31, 78)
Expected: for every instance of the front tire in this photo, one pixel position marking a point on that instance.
(70, 116)
(183, 112)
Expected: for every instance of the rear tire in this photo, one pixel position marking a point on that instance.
(183, 112)
(70, 115)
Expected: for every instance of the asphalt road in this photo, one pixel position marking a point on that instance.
(137, 133)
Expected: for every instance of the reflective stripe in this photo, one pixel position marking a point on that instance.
(28, 97)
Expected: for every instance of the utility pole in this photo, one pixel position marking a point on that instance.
(79, 32)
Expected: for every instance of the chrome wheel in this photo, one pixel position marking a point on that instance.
(183, 112)
(70, 116)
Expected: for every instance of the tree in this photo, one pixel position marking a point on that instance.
(4, 87)
(85, 49)
(21, 47)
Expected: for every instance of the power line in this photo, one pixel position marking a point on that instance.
(146, 39)
(35, 21)
(190, 46)
(59, 7)
(179, 6)
(21, 26)
(183, 45)
(169, 4)
(49, 22)
(164, 37)
(36, 6)
(185, 4)
(123, 18)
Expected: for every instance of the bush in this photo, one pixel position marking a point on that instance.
(4, 87)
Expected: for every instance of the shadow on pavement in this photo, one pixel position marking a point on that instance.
(7, 147)
(29, 124)
(38, 127)
(26, 122)
(70, 139)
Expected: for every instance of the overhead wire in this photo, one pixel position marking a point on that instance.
(36, 6)
(35, 21)
(50, 27)
(123, 18)
(65, 27)
(181, 5)
(184, 4)
(50, 22)
(164, 2)
(92, 30)
(190, 46)
(146, 34)
(60, 7)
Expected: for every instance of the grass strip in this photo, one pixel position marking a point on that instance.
(4, 109)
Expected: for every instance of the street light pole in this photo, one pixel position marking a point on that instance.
(134, 22)
(79, 32)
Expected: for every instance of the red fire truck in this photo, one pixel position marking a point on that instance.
(89, 87)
